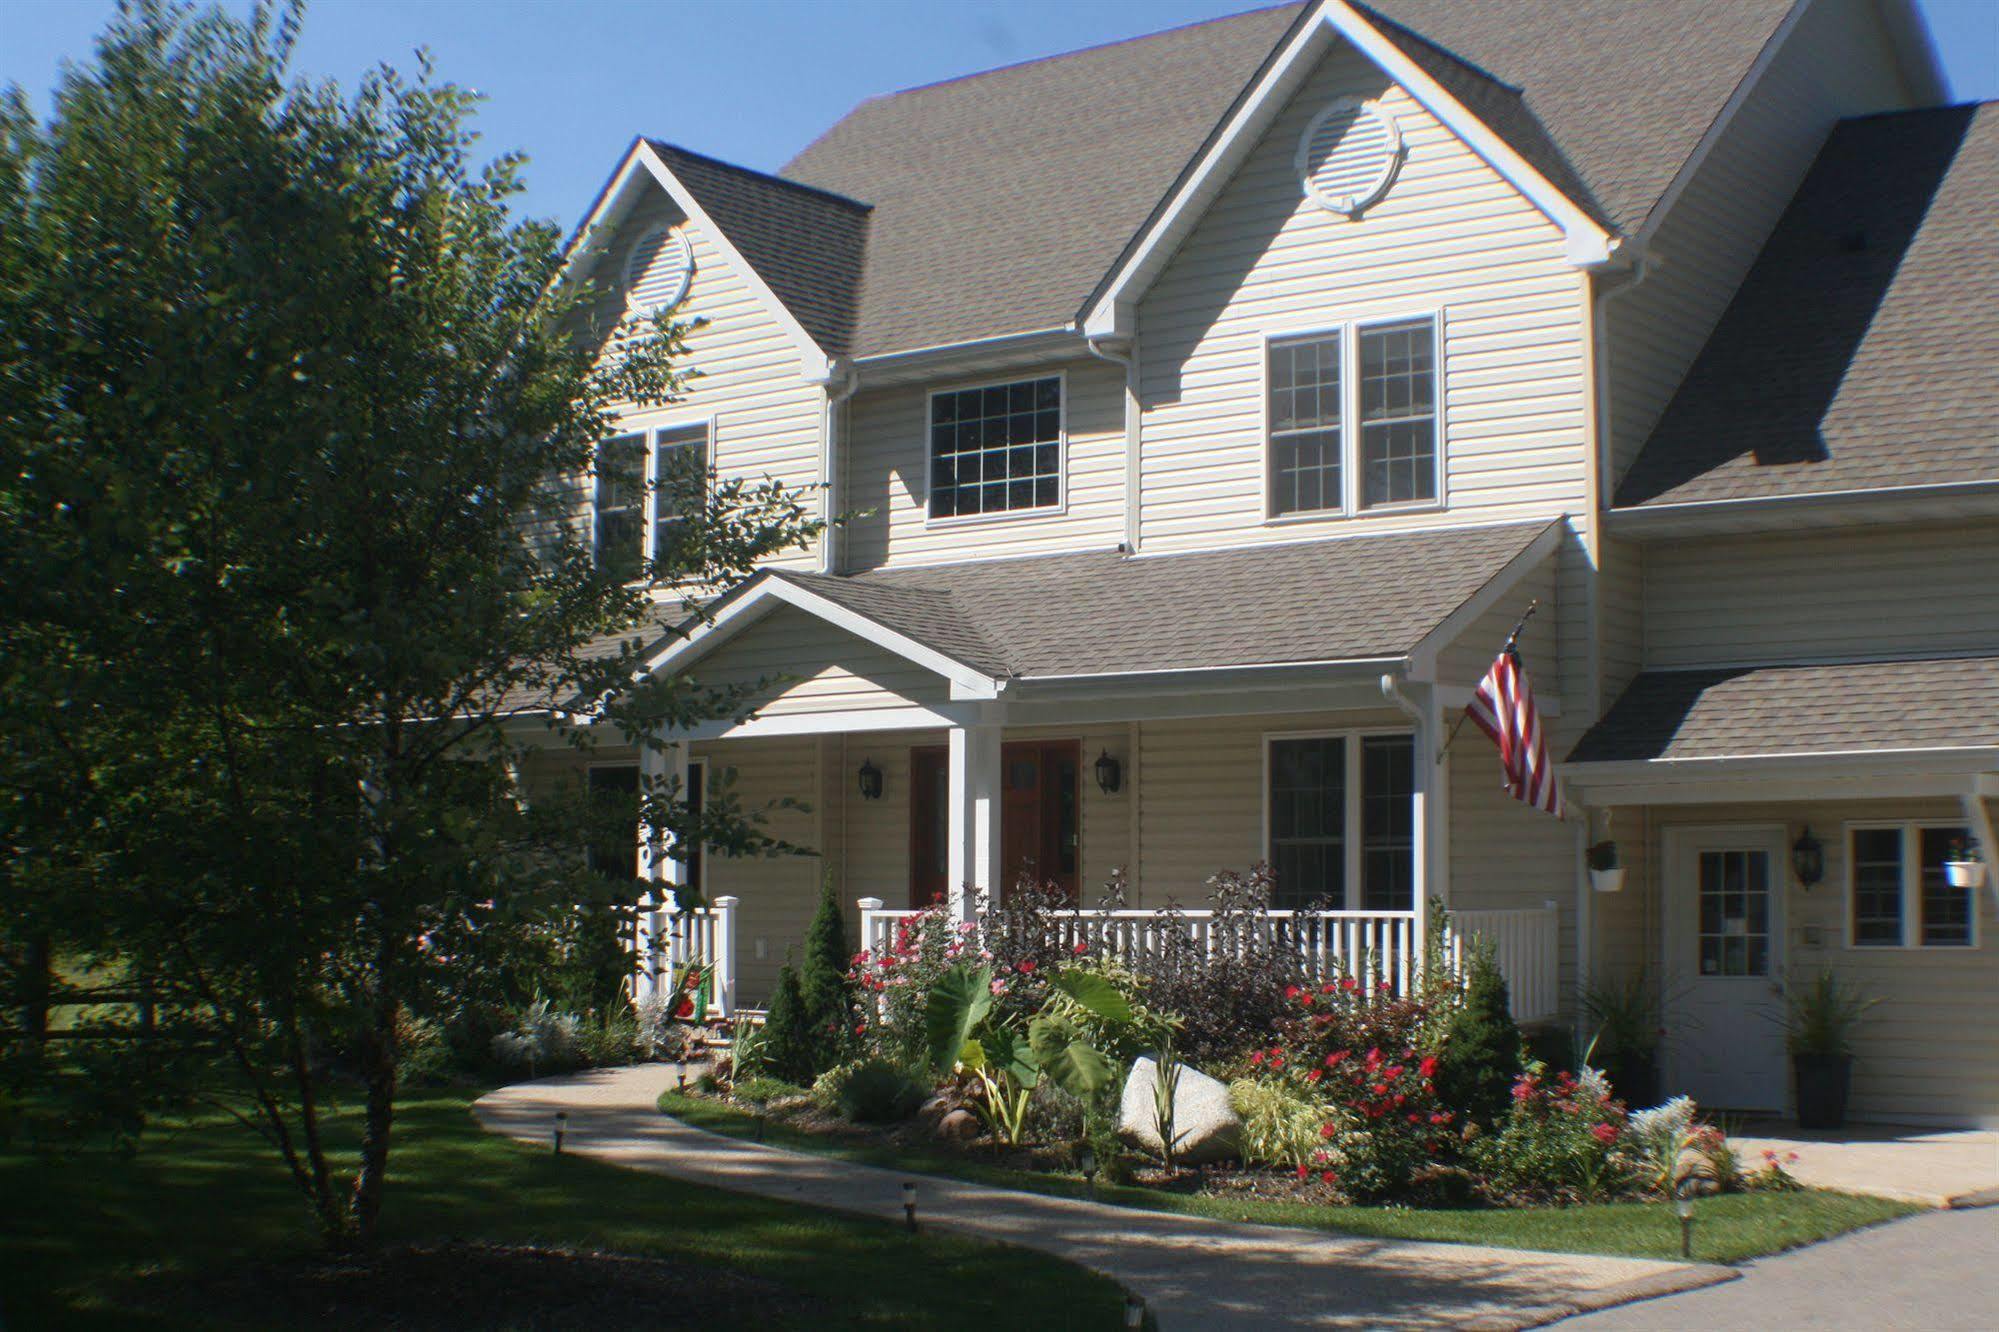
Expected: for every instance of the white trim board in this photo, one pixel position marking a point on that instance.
(1110, 313)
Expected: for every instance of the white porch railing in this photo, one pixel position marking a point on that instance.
(1526, 943)
(1360, 944)
(669, 940)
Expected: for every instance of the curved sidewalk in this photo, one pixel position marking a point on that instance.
(1192, 1271)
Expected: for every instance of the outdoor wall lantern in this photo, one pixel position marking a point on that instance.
(871, 780)
(1110, 773)
(1808, 858)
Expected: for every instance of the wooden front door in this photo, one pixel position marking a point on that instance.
(1040, 817)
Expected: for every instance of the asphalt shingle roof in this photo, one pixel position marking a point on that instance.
(1862, 350)
(1003, 200)
(1767, 710)
(1101, 613)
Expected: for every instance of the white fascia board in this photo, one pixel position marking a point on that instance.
(775, 591)
(1588, 244)
(1956, 761)
(850, 722)
(814, 363)
(612, 201)
(1423, 657)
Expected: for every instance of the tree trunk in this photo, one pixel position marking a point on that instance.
(379, 1070)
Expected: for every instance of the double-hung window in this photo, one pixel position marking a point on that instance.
(996, 448)
(1898, 896)
(648, 485)
(1351, 419)
(1341, 821)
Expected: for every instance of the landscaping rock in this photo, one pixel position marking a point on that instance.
(932, 1111)
(1204, 1125)
(959, 1126)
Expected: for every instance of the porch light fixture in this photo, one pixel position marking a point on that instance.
(871, 780)
(1808, 858)
(1110, 773)
(1684, 1205)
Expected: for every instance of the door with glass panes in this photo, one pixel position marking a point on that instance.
(1725, 966)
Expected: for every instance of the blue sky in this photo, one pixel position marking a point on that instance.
(572, 81)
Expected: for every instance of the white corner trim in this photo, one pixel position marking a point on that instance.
(774, 591)
(1423, 657)
(1588, 243)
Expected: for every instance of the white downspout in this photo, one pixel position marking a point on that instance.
(1129, 360)
(839, 386)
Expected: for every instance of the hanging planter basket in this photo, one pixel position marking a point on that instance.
(1964, 873)
(1606, 871)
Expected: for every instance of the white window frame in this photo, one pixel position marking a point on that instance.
(1061, 504)
(632, 763)
(1349, 331)
(650, 433)
(1350, 843)
(1912, 885)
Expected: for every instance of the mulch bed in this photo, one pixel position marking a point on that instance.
(459, 1286)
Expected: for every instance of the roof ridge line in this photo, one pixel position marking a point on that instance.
(832, 196)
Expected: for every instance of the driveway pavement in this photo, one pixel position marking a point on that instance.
(1929, 1273)
(1192, 1272)
(1933, 1167)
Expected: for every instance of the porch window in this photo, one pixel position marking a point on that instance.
(1341, 811)
(996, 448)
(1898, 896)
(1351, 419)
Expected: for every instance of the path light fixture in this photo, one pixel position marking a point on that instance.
(1808, 858)
(1110, 773)
(1086, 1161)
(680, 1068)
(909, 1203)
(1684, 1205)
(871, 780)
(1134, 1311)
(561, 1123)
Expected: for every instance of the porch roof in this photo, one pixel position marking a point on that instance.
(1350, 599)
(1876, 707)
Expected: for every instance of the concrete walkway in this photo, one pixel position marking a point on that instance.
(1929, 1273)
(1932, 1167)
(1192, 1272)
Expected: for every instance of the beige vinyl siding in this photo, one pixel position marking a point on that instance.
(745, 369)
(1466, 660)
(1451, 237)
(1930, 1052)
(1621, 593)
(1837, 62)
(816, 667)
(887, 467)
(776, 894)
(1858, 593)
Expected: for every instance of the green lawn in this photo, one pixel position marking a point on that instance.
(1727, 1229)
(205, 1194)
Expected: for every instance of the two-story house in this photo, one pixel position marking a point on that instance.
(1207, 407)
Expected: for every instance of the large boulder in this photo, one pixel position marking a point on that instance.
(1205, 1128)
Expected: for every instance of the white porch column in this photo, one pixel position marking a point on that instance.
(972, 817)
(656, 865)
(1423, 823)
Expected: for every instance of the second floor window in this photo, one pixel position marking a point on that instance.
(996, 448)
(1351, 416)
(647, 483)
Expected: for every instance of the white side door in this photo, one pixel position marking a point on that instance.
(1725, 945)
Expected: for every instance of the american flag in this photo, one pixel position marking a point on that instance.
(1504, 709)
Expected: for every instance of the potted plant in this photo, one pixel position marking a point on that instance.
(1628, 1015)
(1819, 1021)
(1605, 874)
(1963, 867)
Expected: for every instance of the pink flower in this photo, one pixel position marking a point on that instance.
(999, 987)
(1604, 1133)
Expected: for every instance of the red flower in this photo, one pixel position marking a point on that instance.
(1428, 1068)
(1314, 1075)
(1025, 966)
(1349, 985)
(1335, 1057)
(1373, 1059)
(1082, 947)
(685, 1008)
(1327, 1130)
(1256, 1056)
(1328, 1176)
(1328, 988)
(1302, 1172)
(1290, 992)
(1392, 1072)
(1604, 1133)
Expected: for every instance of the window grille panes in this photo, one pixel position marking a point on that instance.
(1304, 412)
(1308, 805)
(1398, 414)
(1735, 913)
(620, 505)
(1388, 823)
(614, 798)
(1946, 911)
(680, 485)
(1877, 886)
(996, 449)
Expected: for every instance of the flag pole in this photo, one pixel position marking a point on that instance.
(1511, 639)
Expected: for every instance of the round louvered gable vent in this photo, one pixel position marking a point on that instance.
(658, 270)
(1348, 155)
